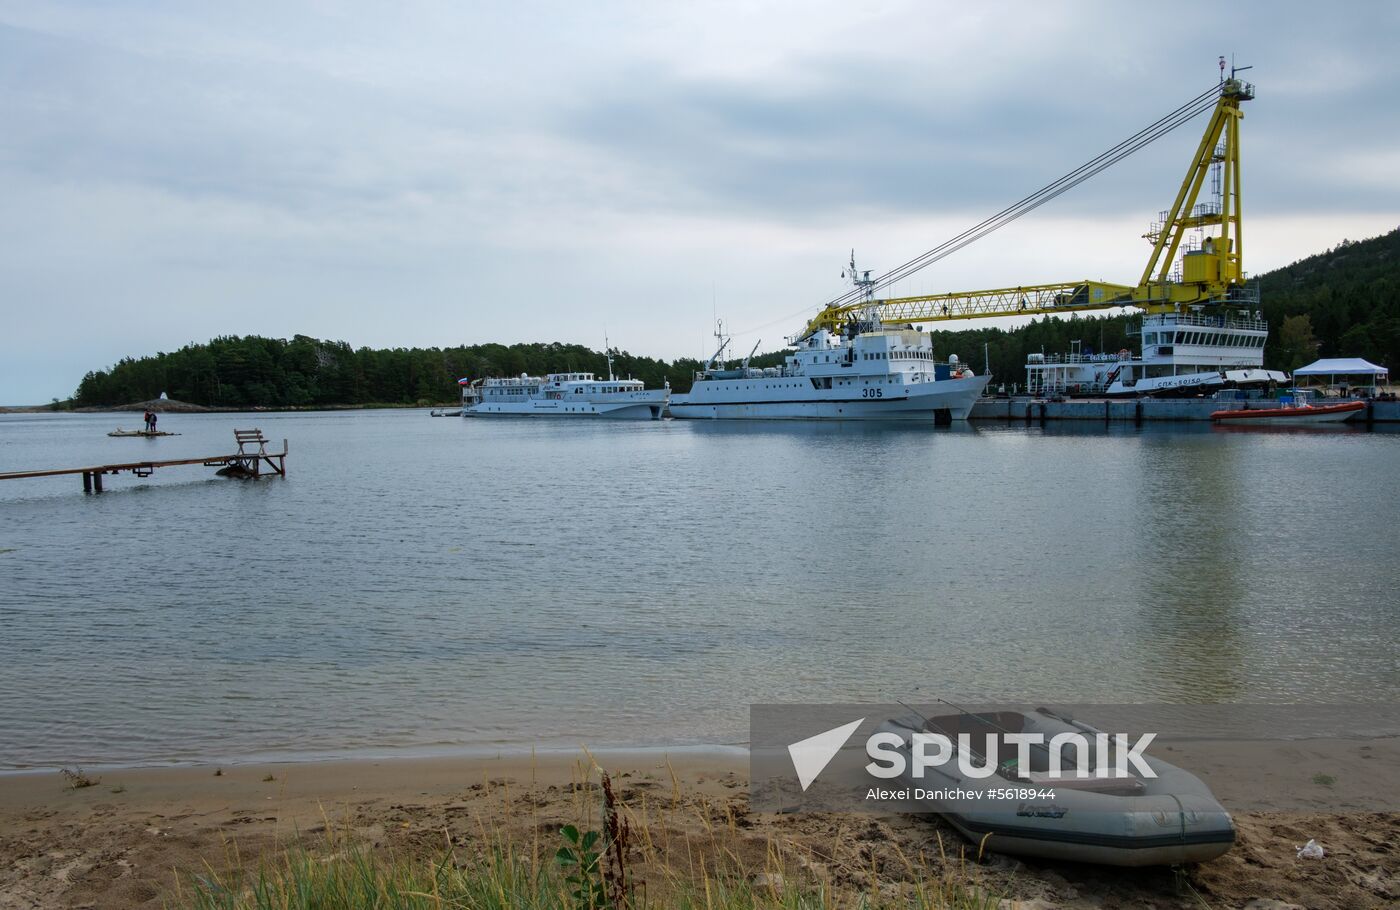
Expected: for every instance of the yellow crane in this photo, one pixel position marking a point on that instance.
(1211, 273)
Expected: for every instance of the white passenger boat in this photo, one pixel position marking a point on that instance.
(868, 371)
(563, 395)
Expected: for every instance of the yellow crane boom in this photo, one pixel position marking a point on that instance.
(1030, 300)
(1209, 274)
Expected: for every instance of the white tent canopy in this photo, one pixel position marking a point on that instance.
(1342, 366)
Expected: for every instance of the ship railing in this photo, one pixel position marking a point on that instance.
(1243, 294)
(1037, 389)
(1076, 358)
(1210, 322)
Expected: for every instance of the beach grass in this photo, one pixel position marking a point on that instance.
(500, 880)
(616, 856)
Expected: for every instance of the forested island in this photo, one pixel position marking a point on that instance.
(251, 371)
(1339, 303)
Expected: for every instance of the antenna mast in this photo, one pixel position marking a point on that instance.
(865, 285)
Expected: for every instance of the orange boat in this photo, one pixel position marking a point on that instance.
(1300, 413)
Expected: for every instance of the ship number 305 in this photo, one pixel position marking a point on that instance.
(872, 393)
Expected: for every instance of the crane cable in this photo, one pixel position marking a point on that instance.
(1139, 140)
(1037, 199)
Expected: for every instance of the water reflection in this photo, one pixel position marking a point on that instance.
(1188, 571)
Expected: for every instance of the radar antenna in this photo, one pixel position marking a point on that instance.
(861, 280)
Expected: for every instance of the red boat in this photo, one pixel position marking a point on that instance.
(1301, 413)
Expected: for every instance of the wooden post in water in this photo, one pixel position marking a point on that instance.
(97, 481)
(87, 482)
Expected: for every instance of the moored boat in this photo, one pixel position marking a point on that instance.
(867, 371)
(1182, 355)
(1299, 413)
(563, 395)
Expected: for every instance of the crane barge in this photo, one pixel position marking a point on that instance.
(1201, 325)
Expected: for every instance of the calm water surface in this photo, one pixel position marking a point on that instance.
(424, 584)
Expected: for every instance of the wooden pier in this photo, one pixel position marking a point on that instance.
(248, 461)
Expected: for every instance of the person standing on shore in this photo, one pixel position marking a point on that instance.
(147, 418)
(153, 421)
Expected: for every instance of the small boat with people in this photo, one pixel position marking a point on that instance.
(148, 423)
(1132, 819)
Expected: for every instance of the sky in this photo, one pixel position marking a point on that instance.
(444, 173)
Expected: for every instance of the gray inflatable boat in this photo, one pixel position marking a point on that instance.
(1137, 820)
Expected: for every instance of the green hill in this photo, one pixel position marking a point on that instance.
(1349, 298)
(1343, 302)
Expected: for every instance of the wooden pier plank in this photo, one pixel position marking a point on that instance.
(112, 468)
(92, 475)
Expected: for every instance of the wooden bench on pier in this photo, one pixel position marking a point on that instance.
(250, 460)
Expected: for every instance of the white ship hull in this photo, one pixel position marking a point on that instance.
(736, 399)
(1166, 384)
(649, 407)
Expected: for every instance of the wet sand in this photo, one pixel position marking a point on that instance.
(119, 843)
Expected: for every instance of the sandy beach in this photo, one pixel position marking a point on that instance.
(127, 840)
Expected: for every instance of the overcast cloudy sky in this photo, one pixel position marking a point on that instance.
(424, 173)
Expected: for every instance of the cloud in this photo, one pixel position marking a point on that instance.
(435, 172)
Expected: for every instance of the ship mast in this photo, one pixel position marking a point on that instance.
(723, 343)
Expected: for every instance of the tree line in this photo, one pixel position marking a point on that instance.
(1342, 302)
(251, 371)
